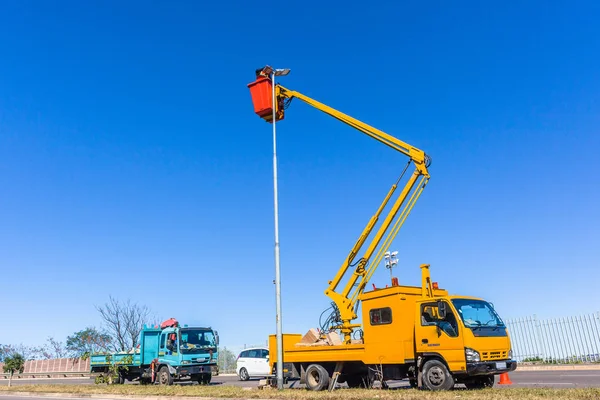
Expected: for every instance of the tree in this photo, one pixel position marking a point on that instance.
(27, 352)
(86, 342)
(226, 361)
(13, 363)
(123, 322)
(54, 349)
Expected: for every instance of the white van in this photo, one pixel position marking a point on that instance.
(253, 363)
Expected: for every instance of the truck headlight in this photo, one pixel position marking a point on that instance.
(185, 362)
(472, 355)
(510, 354)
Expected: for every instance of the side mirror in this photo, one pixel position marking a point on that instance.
(216, 338)
(442, 310)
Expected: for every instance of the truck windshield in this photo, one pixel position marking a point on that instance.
(193, 340)
(477, 313)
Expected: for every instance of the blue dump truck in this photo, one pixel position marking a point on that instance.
(165, 354)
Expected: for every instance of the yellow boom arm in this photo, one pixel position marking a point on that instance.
(348, 297)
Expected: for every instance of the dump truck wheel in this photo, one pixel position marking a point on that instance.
(164, 376)
(317, 377)
(243, 374)
(480, 382)
(436, 376)
(205, 379)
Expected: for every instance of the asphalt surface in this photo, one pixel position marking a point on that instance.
(555, 379)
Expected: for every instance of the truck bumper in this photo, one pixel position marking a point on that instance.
(195, 369)
(491, 367)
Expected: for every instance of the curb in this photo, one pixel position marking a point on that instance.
(109, 396)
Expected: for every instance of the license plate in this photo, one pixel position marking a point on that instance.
(500, 365)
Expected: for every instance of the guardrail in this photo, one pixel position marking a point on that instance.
(42, 375)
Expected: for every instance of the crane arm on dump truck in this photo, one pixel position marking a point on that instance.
(347, 298)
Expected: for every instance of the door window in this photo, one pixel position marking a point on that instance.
(430, 317)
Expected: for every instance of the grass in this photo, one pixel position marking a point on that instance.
(299, 394)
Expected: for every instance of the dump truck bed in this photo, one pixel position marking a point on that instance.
(124, 359)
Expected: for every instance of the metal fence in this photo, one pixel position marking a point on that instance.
(565, 340)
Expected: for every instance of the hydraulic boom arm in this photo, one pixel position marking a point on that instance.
(347, 298)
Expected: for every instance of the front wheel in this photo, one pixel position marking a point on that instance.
(480, 382)
(164, 376)
(436, 376)
(205, 379)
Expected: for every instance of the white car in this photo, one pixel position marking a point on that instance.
(253, 363)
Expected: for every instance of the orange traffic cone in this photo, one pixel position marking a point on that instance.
(504, 379)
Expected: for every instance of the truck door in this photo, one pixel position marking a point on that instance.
(169, 347)
(440, 335)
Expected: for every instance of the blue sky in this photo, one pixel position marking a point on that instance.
(132, 165)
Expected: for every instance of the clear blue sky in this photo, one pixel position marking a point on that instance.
(132, 164)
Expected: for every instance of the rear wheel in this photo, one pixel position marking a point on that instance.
(480, 382)
(243, 374)
(317, 377)
(436, 376)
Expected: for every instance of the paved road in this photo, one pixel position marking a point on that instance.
(556, 379)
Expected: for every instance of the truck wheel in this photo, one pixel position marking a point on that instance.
(317, 377)
(436, 376)
(480, 382)
(164, 376)
(205, 379)
(243, 374)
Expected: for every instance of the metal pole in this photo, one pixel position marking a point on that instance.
(277, 273)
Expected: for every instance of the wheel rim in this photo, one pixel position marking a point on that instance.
(244, 374)
(313, 378)
(436, 376)
(164, 378)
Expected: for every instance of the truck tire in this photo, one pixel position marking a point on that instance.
(436, 376)
(205, 378)
(164, 376)
(317, 377)
(243, 374)
(480, 382)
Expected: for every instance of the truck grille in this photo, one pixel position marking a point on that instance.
(494, 355)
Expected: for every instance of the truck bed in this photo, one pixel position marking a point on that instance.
(125, 359)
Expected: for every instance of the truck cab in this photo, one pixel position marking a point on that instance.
(467, 335)
(186, 351)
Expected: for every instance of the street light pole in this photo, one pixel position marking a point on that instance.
(277, 271)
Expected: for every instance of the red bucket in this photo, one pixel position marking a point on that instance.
(261, 91)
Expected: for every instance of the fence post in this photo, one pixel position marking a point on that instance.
(538, 336)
